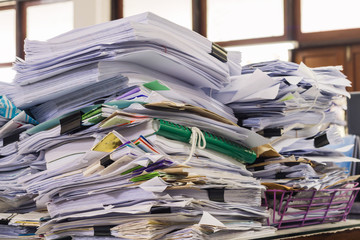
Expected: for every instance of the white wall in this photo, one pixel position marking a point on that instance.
(90, 12)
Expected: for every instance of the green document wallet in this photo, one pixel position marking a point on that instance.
(182, 133)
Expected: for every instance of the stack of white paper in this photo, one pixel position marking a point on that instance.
(97, 161)
(135, 141)
(298, 172)
(290, 103)
(13, 196)
(141, 180)
(142, 44)
(297, 108)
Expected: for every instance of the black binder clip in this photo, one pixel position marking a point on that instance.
(101, 101)
(321, 141)
(271, 132)
(102, 230)
(280, 175)
(216, 194)
(62, 238)
(72, 123)
(219, 52)
(4, 221)
(10, 139)
(106, 161)
(160, 209)
(291, 164)
(259, 168)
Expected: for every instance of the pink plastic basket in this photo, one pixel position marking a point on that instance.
(300, 208)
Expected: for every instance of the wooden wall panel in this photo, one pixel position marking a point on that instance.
(353, 72)
(317, 57)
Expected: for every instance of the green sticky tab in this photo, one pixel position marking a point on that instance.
(288, 97)
(131, 170)
(91, 113)
(95, 119)
(145, 177)
(155, 86)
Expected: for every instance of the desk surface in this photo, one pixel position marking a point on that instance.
(349, 227)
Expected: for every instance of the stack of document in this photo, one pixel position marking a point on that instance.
(20, 226)
(130, 143)
(13, 196)
(297, 173)
(297, 108)
(292, 104)
(144, 44)
(132, 133)
(188, 63)
(142, 169)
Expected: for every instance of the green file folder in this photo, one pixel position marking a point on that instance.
(182, 133)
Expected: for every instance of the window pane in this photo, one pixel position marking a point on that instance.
(264, 52)
(7, 33)
(244, 19)
(179, 12)
(327, 15)
(7, 74)
(49, 20)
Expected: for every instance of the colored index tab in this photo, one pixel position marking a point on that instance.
(108, 144)
(145, 177)
(92, 113)
(287, 97)
(156, 86)
(7, 108)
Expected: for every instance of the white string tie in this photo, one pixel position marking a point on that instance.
(197, 139)
(316, 85)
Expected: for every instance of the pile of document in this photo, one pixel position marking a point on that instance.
(299, 109)
(292, 172)
(13, 196)
(15, 225)
(144, 44)
(117, 171)
(13, 165)
(128, 141)
(292, 104)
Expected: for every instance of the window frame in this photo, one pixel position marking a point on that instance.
(287, 36)
(344, 36)
(292, 25)
(198, 14)
(8, 6)
(20, 7)
(199, 19)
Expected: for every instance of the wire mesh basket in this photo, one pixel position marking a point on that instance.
(298, 208)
